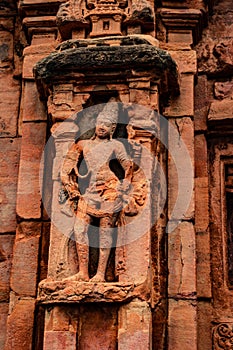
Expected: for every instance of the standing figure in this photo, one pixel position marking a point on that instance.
(103, 197)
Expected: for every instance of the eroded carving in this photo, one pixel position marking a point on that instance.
(223, 90)
(107, 55)
(97, 190)
(102, 17)
(223, 336)
(50, 292)
(216, 57)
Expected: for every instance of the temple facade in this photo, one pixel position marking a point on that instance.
(116, 174)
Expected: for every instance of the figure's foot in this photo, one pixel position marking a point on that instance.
(98, 278)
(80, 276)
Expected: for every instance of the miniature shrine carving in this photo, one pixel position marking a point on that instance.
(99, 18)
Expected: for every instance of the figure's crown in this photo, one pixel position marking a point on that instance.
(109, 113)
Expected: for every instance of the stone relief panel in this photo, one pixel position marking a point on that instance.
(104, 194)
(215, 49)
(96, 188)
(102, 182)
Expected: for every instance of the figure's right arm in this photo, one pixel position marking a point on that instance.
(68, 170)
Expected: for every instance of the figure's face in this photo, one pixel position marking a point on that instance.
(103, 129)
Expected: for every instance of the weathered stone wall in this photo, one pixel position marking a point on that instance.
(213, 151)
(10, 141)
(192, 286)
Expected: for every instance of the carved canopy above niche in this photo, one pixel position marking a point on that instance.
(119, 57)
(95, 18)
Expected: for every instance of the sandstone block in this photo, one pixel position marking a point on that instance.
(24, 275)
(220, 110)
(141, 97)
(183, 105)
(203, 264)
(182, 37)
(45, 240)
(9, 155)
(29, 196)
(134, 326)
(182, 333)
(33, 54)
(201, 103)
(181, 169)
(20, 326)
(182, 261)
(8, 190)
(201, 160)
(201, 204)
(9, 105)
(6, 248)
(33, 108)
(6, 49)
(60, 340)
(57, 319)
(93, 320)
(186, 60)
(4, 307)
(204, 317)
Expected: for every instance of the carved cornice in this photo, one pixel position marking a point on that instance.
(29, 8)
(124, 58)
(184, 19)
(39, 16)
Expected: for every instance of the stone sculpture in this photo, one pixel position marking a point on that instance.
(105, 194)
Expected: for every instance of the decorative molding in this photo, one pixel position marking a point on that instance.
(178, 20)
(138, 54)
(39, 17)
(53, 292)
(223, 336)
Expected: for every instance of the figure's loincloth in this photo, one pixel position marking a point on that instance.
(101, 199)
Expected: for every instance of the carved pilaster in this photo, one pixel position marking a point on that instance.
(40, 17)
(183, 25)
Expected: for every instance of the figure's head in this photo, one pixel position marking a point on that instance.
(106, 121)
(104, 129)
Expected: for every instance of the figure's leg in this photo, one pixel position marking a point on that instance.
(105, 239)
(82, 222)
